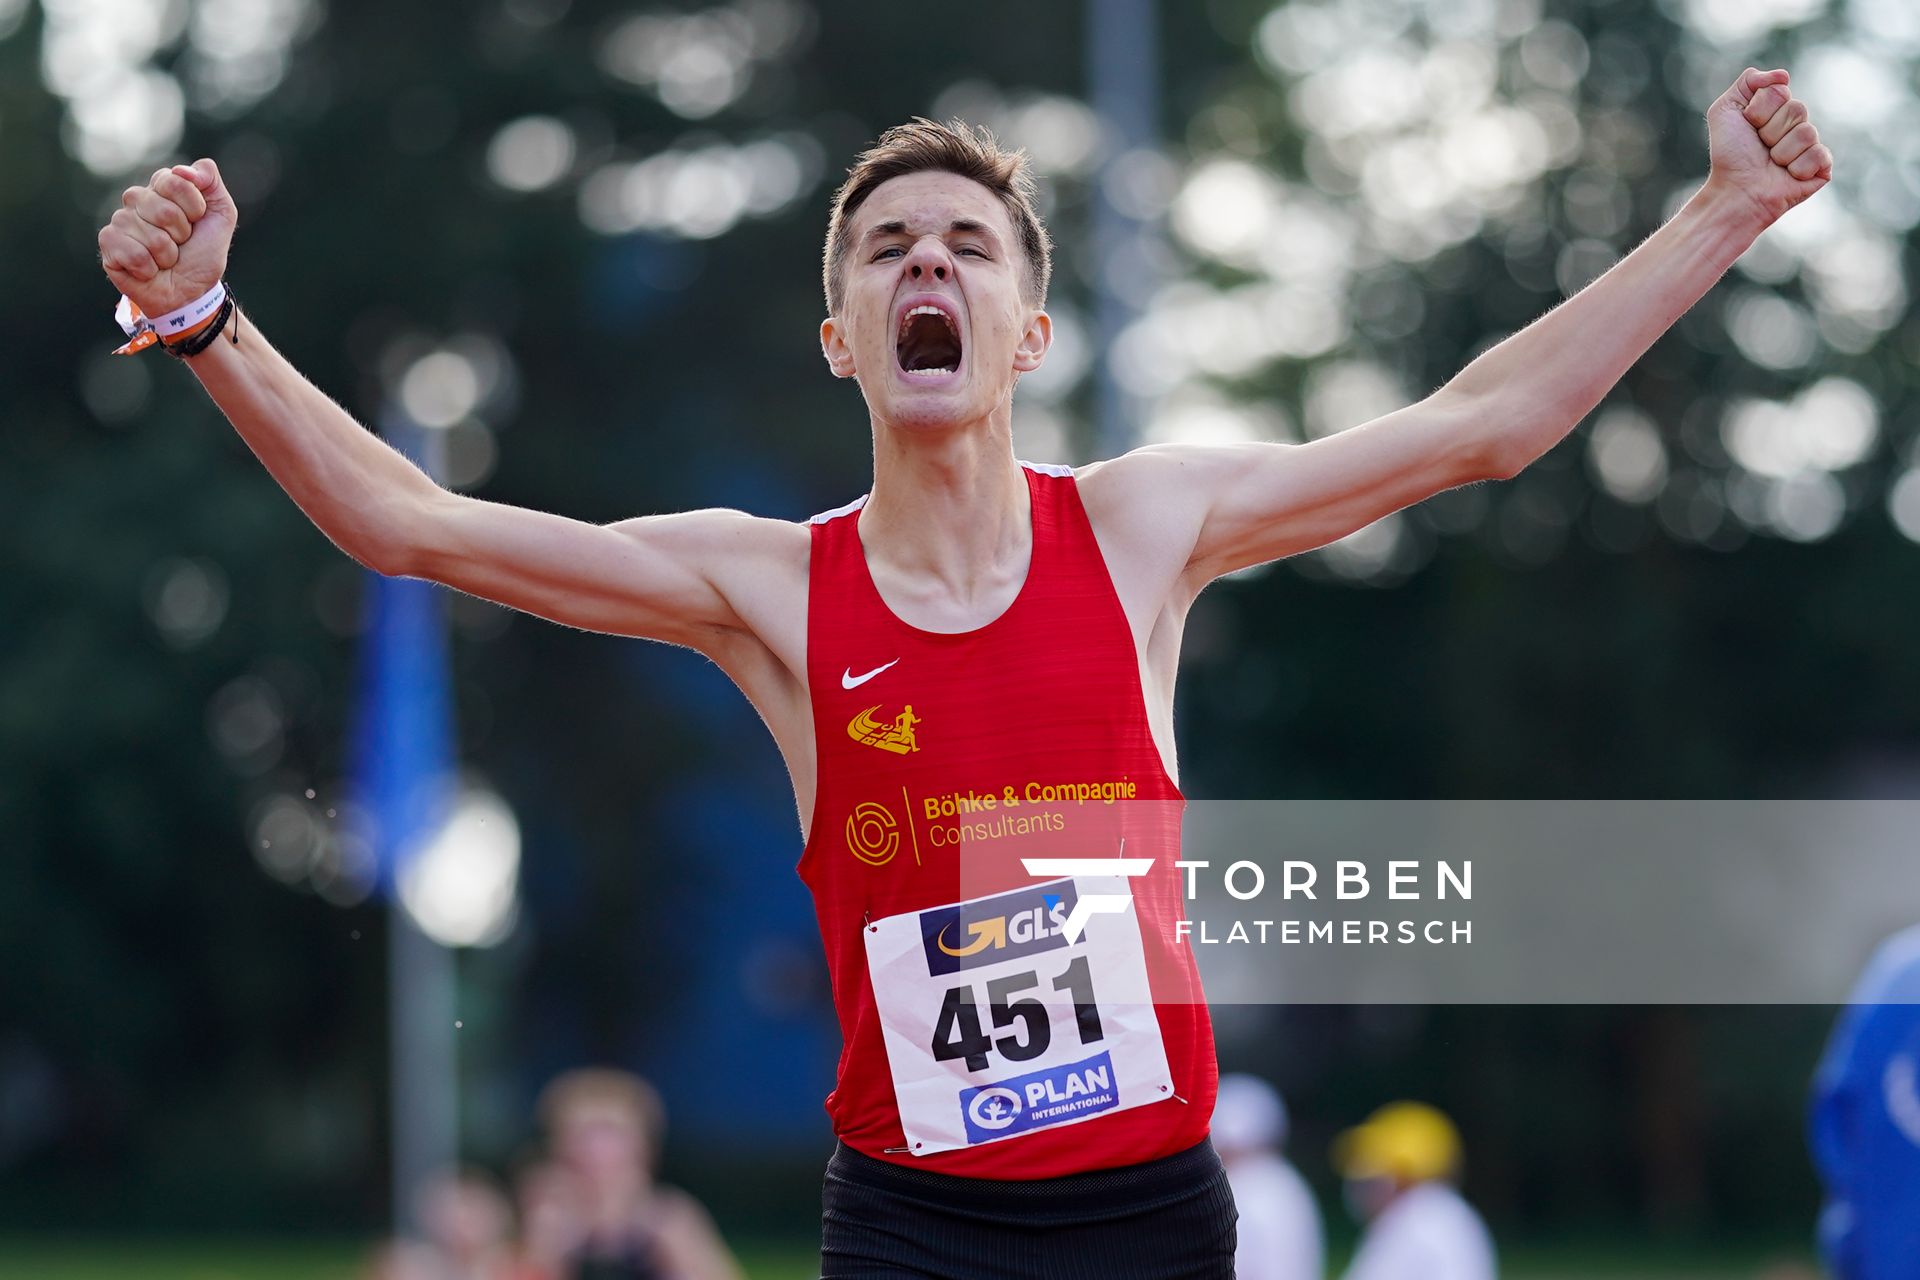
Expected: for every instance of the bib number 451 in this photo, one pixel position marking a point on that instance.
(957, 1033)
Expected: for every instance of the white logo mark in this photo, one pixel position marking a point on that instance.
(1090, 904)
(848, 680)
(994, 1108)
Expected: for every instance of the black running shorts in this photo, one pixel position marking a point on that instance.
(1166, 1219)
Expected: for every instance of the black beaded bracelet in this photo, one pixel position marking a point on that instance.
(202, 340)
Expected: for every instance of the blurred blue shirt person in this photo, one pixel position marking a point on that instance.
(1866, 1122)
(1279, 1231)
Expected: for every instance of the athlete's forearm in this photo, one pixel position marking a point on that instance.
(357, 488)
(1535, 387)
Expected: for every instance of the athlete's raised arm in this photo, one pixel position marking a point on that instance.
(671, 577)
(1244, 504)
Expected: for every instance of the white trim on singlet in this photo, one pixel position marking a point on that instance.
(1044, 468)
(847, 510)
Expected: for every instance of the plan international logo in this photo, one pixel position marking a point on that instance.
(1050, 1096)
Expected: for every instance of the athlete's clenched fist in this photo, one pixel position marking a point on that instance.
(167, 243)
(1764, 144)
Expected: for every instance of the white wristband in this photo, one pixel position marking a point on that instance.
(174, 321)
(193, 313)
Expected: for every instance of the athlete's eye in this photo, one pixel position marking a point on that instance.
(892, 248)
(975, 250)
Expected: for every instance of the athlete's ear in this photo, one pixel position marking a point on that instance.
(1033, 343)
(833, 345)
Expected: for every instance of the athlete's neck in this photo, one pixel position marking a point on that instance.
(948, 509)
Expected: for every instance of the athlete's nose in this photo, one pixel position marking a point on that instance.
(928, 261)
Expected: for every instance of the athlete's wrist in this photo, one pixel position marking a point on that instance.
(184, 331)
(1729, 216)
(203, 335)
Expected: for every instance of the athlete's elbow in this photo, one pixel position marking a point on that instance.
(384, 559)
(389, 544)
(1512, 434)
(1492, 442)
(383, 555)
(1519, 443)
(1503, 459)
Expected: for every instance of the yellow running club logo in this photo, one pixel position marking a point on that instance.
(872, 834)
(894, 735)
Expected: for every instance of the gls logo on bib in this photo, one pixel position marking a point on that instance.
(1008, 926)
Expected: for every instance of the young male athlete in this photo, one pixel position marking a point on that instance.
(970, 669)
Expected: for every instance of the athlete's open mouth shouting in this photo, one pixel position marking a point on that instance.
(927, 340)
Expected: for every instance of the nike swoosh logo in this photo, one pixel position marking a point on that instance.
(848, 680)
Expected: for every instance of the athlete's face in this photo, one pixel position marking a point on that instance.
(934, 320)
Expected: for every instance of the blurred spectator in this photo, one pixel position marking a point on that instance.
(1866, 1121)
(467, 1224)
(551, 1225)
(603, 1129)
(400, 1260)
(1280, 1236)
(1397, 1168)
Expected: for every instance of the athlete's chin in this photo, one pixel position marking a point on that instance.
(930, 419)
(931, 408)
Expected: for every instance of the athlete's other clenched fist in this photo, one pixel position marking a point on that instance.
(167, 243)
(1764, 144)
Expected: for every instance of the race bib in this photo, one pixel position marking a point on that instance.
(997, 1026)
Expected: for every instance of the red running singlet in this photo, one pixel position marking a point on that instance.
(980, 1038)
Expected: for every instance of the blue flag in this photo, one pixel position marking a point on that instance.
(403, 747)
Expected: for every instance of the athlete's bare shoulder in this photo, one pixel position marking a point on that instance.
(1144, 521)
(760, 565)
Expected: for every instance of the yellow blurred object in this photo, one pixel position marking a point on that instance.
(1410, 1141)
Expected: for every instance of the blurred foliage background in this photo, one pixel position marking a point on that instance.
(582, 237)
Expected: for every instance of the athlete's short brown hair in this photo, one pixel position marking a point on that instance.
(954, 147)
